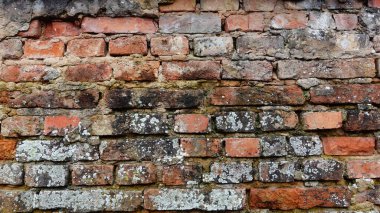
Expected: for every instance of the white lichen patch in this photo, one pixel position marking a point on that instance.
(234, 172)
(305, 145)
(11, 173)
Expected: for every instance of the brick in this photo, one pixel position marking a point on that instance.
(169, 45)
(348, 68)
(7, 148)
(256, 46)
(231, 172)
(278, 120)
(40, 175)
(299, 198)
(346, 21)
(312, 44)
(77, 99)
(374, 3)
(219, 5)
(103, 125)
(88, 72)
(256, 96)
(236, 122)
(90, 47)
(21, 126)
(177, 175)
(43, 49)
(91, 175)
(191, 123)
(118, 25)
(247, 70)
(242, 147)
(376, 45)
(11, 49)
(349, 4)
(259, 5)
(179, 6)
(152, 98)
(34, 30)
(42, 150)
(246, 23)
(305, 146)
(276, 171)
(156, 150)
(191, 70)
(348, 145)
(362, 120)
(60, 125)
(136, 70)
(321, 20)
(57, 29)
(345, 94)
(17, 200)
(303, 5)
(190, 23)
(28, 73)
(363, 169)
(83, 200)
(295, 20)
(200, 147)
(136, 173)
(147, 124)
(273, 146)
(322, 120)
(213, 46)
(128, 45)
(188, 199)
(321, 169)
(11, 174)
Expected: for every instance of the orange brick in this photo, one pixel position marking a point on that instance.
(242, 147)
(363, 169)
(250, 22)
(200, 147)
(87, 47)
(118, 25)
(179, 6)
(56, 29)
(295, 20)
(34, 31)
(191, 123)
(7, 149)
(348, 145)
(43, 49)
(128, 46)
(59, 125)
(181, 174)
(322, 120)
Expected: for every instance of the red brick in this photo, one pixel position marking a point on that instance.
(60, 125)
(322, 120)
(27, 73)
(191, 123)
(219, 5)
(171, 45)
(21, 126)
(136, 70)
(43, 49)
(374, 3)
(348, 145)
(91, 175)
(56, 29)
(89, 72)
(136, 173)
(128, 46)
(295, 20)
(181, 174)
(242, 147)
(7, 149)
(363, 169)
(34, 30)
(87, 47)
(191, 70)
(179, 6)
(346, 21)
(118, 25)
(250, 22)
(345, 94)
(259, 5)
(299, 198)
(252, 96)
(200, 147)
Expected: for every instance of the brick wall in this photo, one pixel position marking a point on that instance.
(206, 105)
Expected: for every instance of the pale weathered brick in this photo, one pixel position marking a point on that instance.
(232, 172)
(247, 70)
(41, 175)
(236, 122)
(213, 46)
(305, 145)
(190, 23)
(11, 174)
